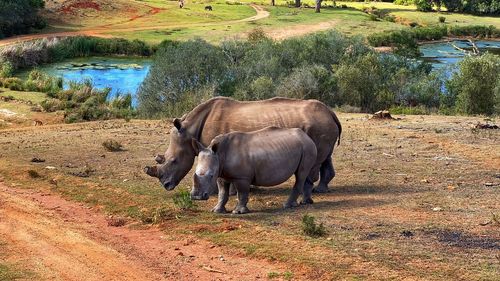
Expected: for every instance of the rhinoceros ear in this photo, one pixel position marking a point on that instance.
(197, 146)
(177, 123)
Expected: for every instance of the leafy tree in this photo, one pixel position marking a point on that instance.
(476, 84)
(20, 16)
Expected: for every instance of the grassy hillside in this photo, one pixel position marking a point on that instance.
(157, 20)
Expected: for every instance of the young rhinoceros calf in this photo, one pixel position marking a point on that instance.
(266, 157)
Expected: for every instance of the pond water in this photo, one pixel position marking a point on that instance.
(442, 55)
(122, 75)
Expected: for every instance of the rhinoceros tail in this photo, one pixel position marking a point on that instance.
(337, 121)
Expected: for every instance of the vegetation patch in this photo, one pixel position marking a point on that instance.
(112, 145)
(311, 228)
(183, 201)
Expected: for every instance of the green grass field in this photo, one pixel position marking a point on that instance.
(156, 20)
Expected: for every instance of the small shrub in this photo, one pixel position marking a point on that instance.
(52, 105)
(390, 18)
(273, 275)
(288, 275)
(310, 228)
(34, 174)
(6, 70)
(424, 5)
(183, 201)
(373, 17)
(442, 19)
(257, 35)
(112, 145)
(14, 83)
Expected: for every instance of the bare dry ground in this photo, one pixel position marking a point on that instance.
(414, 199)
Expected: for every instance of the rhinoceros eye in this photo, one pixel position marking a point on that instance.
(174, 161)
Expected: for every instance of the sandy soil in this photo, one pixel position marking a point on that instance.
(61, 240)
(414, 199)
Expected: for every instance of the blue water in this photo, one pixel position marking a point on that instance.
(444, 55)
(122, 75)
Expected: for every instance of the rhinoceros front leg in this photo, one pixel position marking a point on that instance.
(223, 196)
(243, 189)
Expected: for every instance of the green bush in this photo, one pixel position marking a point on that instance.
(13, 83)
(404, 2)
(52, 105)
(310, 228)
(442, 19)
(183, 201)
(20, 16)
(410, 37)
(308, 82)
(39, 81)
(256, 35)
(6, 69)
(424, 5)
(475, 85)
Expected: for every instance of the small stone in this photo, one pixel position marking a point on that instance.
(437, 209)
(489, 184)
(50, 168)
(406, 233)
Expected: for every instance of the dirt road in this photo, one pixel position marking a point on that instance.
(61, 240)
(102, 31)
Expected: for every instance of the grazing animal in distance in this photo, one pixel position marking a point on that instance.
(181, 4)
(265, 157)
(208, 8)
(222, 115)
(37, 122)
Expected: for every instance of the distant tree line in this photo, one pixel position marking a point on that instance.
(477, 7)
(20, 16)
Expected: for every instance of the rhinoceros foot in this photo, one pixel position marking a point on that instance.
(289, 205)
(219, 210)
(241, 210)
(306, 201)
(320, 189)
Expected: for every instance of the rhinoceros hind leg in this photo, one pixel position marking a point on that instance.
(327, 173)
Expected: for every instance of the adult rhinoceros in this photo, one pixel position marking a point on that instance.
(222, 115)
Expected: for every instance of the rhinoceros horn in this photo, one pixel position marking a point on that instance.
(160, 159)
(151, 171)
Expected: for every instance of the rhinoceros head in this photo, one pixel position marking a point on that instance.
(207, 171)
(178, 159)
